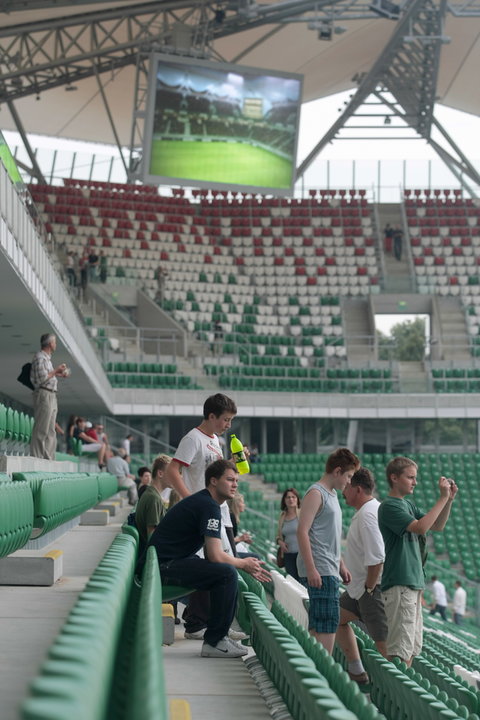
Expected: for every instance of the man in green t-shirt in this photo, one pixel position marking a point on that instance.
(150, 508)
(402, 525)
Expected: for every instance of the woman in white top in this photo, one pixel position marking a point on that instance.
(287, 530)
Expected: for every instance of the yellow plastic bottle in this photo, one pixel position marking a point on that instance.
(236, 447)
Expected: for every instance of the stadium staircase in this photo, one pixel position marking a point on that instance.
(453, 328)
(413, 378)
(398, 277)
(358, 331)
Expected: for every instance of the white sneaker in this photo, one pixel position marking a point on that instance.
(237, 634)
(197, 635)
(224, 648)
(237, 646)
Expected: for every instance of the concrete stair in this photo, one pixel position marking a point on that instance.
(398, 275)
(358, 330)
(413, 377)
(453, 330)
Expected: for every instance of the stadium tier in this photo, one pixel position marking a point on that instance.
(226, 263)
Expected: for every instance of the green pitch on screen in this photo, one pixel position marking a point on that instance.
(220, 162)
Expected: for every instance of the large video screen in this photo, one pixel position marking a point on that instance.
(218, 125)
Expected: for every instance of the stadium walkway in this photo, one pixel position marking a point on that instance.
(213, 687)
(30, 618)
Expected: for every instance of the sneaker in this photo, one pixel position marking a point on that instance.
(237, 635)
(237, 646)
(361, 679)
(197, 635)
(223, 648)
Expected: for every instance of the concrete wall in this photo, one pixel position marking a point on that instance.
(150, 315)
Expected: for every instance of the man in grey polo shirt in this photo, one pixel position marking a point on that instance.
(43, 377)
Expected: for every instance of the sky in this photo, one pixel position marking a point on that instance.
(318, 116)
(412, 161)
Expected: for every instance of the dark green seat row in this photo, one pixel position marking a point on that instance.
(134, 380)
(107, 659)
(15, 427)
(16, 515)
(338, 680)
(169, 592)
(465, 696)
(456, 373)
(407, 695)
(275, 384)
(133, 367)
(263, 370)
(456, 386)
(451, 652)
(304, 690)
(60, 497)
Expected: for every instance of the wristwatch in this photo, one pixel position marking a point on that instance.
(370, 591)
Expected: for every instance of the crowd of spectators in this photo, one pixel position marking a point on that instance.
(383, 565)
(90, 266)
(189, 509)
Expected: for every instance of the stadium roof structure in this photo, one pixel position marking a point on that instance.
(77, 69)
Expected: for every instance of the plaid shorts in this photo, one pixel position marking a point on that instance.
(324, 610)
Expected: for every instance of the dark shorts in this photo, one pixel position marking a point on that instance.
(369, 609)
(324, 611)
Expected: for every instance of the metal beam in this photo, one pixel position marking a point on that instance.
(406, 70)
(110, 118)
(37, 56)
(463, 8)
(9, 6)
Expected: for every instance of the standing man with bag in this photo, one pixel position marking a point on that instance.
(43, 377)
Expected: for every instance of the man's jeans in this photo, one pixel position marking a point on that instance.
(220, 579)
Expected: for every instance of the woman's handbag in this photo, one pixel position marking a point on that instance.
(280, 558)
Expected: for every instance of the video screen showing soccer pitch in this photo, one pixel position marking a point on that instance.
(225, 126)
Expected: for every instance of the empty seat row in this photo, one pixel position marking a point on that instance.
(110, 642)
(39, 502)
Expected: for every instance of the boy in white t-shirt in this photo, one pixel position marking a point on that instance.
(186, 474)
(364, 557)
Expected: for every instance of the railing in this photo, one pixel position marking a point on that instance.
(384, 179)
(28, 254)
(117, 431)
(117, 343)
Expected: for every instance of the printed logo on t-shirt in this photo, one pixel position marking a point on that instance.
(212, 453)
(213, 524)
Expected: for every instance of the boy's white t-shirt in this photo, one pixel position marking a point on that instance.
(195, 452)
(364, 547)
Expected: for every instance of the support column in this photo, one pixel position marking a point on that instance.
(110, 118)
(352, 434)
(264, 448)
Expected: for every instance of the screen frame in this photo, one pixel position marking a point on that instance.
(148, 178)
